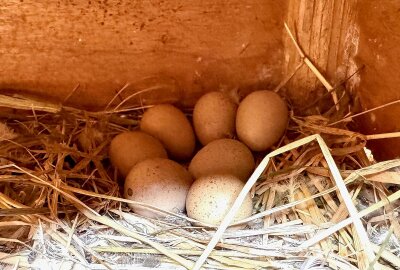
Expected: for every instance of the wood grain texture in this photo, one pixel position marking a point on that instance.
(340, 36)
(49, 47)
(323, 29)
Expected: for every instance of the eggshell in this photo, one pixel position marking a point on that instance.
(210, 198)
(261, 119)
(214, 117)
(128, 148)
(224, 156)
(159, 182)
(172, 128)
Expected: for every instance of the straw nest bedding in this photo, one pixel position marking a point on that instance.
(60, 200)
(320, 201)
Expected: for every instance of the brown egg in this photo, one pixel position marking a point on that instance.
(224, 156)
(172, 128)
(210, 198)
(261, 119)
(159, 182)
(214, 117)
(129, 148)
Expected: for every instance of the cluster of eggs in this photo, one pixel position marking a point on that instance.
(149, 158)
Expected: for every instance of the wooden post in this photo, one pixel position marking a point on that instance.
(326, 32)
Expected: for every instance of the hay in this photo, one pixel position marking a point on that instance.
(60, 201)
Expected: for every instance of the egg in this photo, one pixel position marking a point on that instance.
(224, 156)
(172, 128)
(128, 148)
(214, 117)
(159, 182)
(210, 198)
(261, 119)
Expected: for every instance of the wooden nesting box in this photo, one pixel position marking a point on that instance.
(81, 52)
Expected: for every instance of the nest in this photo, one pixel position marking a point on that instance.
(320, 202)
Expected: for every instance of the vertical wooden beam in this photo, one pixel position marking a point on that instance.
(325, 31)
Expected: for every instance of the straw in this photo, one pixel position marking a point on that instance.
(257, 173)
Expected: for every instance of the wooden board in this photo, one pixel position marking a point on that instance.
(324, 31)
(379, 51)
(188, 47)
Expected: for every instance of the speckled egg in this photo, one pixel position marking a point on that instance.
(210, 198)
(224, 156)
(214, 117)
(159, 182)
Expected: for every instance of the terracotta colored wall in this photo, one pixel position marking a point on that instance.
(379, 51)
(189, 46)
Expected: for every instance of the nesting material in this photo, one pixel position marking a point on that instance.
(6, 133)
(298, 214)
